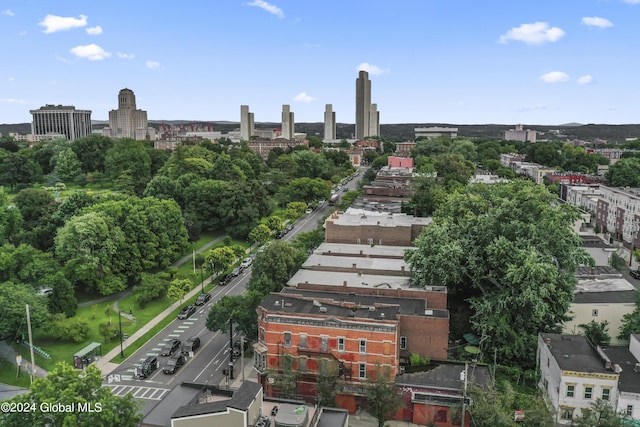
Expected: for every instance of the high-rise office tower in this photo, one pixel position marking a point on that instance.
(287, 122)
(374, 121)
(246, 123)
(127, 121)
(329, 123)
(363, 104)
(61, 120)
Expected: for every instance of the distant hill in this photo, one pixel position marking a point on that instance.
(613, 134)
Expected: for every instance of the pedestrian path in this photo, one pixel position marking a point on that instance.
(8, 353)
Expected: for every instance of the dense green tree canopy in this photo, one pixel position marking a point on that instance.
(509, 250)
(66, 385)
(13, 300)
(624, 173)
(129, 156)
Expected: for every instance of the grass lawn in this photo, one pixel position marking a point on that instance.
(8, 375)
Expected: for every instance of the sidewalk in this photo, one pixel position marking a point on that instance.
(9, 354)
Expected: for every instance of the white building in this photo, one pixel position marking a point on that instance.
(628, 359)
(520, 134)
(435, 131)
(573, 375)
(127, 121)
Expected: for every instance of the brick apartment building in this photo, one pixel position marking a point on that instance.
(366, 227)
(350, 332)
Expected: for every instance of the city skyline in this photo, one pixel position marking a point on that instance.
(431, 61)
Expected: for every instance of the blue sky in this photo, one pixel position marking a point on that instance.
(450, 61)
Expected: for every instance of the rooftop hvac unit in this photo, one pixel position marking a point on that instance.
(323, 309)
(372, 308)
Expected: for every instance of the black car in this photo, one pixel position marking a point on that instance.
(224, 280)
(236, 272)
(170, 347)
(635, 274)
(187, 312)
(203, 299)
(173, 363)
(191, 345)
(147, 367)
(288, 228)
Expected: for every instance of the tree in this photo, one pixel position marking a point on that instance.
(91, 151)
(274, 223)
(624, 173)
(601, 414)
(494, 406)
(274, 267)
(631, 322)
(240, 308)
(178, 288)
(219, 259)
(152, 286)
(382, 395)
(597, 333)
(13, 300)
(307, 190)
(499, 247)
(67, 165)
(285, 378)
(37, 207)
(63, 299)
(295, 209)
(260, 233)
(327, 382)
(70, 387)
(128, 156)
(307, 241)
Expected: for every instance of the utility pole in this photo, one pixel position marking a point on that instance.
(464, 393)
(120, 324)
(33, 362)
(242, 355)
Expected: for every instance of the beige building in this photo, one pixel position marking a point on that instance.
(520, 134)
(127, 121)
(55, 120)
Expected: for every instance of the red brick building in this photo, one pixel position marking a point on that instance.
(373, 228)
(352, 332)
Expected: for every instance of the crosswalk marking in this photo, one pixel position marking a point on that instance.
(139, 392)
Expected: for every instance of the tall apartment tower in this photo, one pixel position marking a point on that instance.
(374, 121)
(329, 123)
(127, 121)
(246, 123)
(61, 120)
(363, 104)
(287, 122)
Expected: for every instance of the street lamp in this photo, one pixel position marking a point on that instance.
(120, 324)
(202, 277)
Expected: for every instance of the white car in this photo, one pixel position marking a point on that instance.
(45, 291)
(246, 263)
(309, 211)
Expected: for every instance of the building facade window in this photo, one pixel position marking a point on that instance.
(594, 312)
(302, 365)
(324, 343)
(287, 339)
(363, 346)
(629, 411)
(362, 370)
(571, 390)
(566, 413)
(403, 343)
(588, 392)
(260, 361)
(341, 344)
(606, 394)
(303, 340)
(262, 334)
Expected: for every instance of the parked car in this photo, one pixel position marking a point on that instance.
(203, 299)
(308, 211)
(147, 367)
(289, 227)
(191, 345)
(45, 291)
(224, 280)
(170, 347)
(187, 312)
(635, 274)
(236, 272)
(173, 363)
(246, 263)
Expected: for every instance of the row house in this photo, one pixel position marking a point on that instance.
(618, 213)
(349, 335)
(574, 374)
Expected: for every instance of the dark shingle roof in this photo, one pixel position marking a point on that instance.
(614, 297)
(574, 353)
(240, 400)
(446, 376)
(246, 394)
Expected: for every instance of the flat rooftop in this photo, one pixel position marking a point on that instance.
(629, 379)
(605, 284)
(349, 249)
(355, 217)
(329, 261)
(332, 278)
(574, 353)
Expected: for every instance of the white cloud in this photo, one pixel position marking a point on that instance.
(303, 97)
(271, 8)
(94, 31)
(7, 12)
(554, 77)
(152, 64)
(53, 23)
(374, 70)
(315, 45)
(585, 80)
(92, 52)
(125, 55)
(11, 101)
(594, 21)
(632, 1)
(536, 33)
